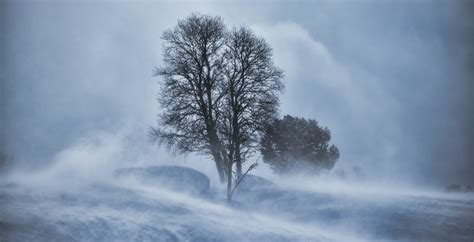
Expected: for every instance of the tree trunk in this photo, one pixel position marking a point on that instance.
(229, 182)
(220, 165)
(238, 160)
(216, 153)
(220, 170)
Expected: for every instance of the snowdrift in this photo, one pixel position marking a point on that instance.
(170, 203)
(177, 178)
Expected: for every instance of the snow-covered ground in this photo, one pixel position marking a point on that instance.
(130, 210)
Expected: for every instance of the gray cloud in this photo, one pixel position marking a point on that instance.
(392, 80)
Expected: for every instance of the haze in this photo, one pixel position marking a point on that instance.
(392, 80)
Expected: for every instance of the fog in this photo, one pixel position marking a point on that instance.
(77, 197)
(391, 80)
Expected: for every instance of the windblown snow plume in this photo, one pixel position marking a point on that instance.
(392, 80)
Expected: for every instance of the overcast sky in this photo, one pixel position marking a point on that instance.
(392, 80)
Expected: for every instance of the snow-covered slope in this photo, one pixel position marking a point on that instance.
(127, 210)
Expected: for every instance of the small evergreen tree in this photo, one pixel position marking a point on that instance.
(295, 144)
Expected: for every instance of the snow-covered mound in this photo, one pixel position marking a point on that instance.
(253, 183)
(177, 178)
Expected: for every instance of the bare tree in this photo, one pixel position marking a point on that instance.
(252, 86)
(190, 94)
(220, 89)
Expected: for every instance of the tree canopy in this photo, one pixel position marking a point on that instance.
(294, 144)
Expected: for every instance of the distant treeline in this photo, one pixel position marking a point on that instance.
(459, 188)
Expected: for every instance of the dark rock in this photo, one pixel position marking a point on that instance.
(181, 179)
